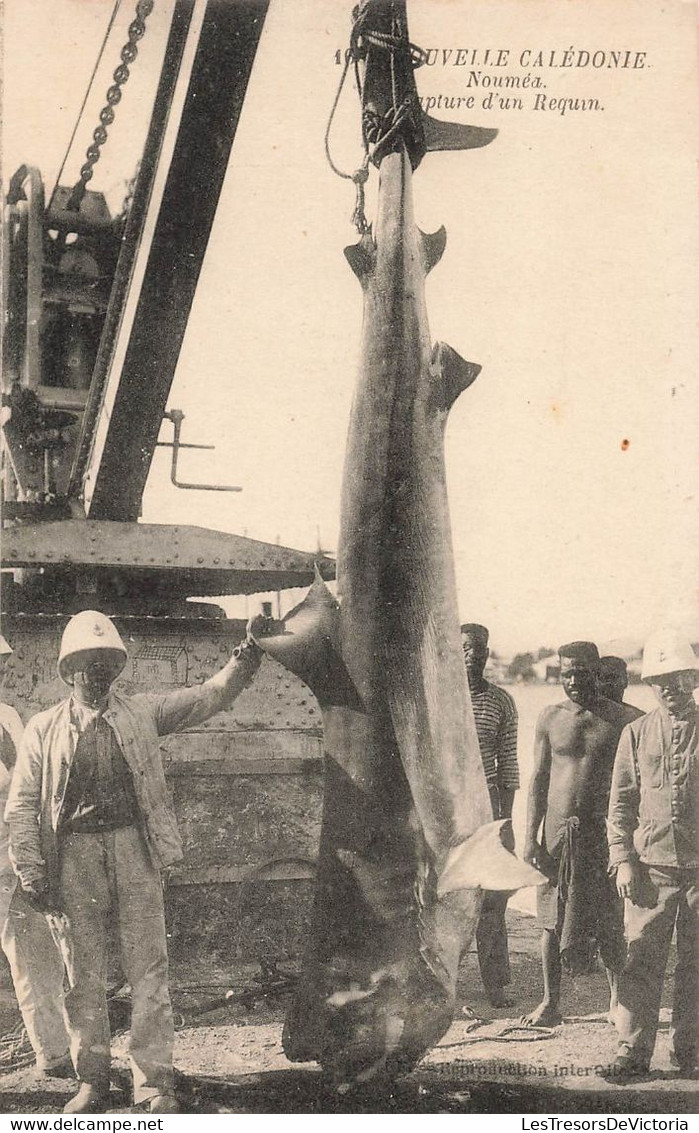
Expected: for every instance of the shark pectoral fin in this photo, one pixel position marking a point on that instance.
(307, 630)
(455, 135)
(433, 245)
(361, 257)
(482, 862)
(451, 375)
(307, 647)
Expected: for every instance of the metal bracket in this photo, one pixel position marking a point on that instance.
(177, 417)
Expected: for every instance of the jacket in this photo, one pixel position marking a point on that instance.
(655, 790)
(46, 753)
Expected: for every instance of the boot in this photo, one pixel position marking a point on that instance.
(90, 1098)
(163, 1103)
(62, 1069)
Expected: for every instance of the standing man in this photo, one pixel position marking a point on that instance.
(11, 726)
(35, 961)
(91, 826)
(653, 845)
(496, 726)
(578, 910)
(613, 678)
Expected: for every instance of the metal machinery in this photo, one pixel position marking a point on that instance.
(95, 310)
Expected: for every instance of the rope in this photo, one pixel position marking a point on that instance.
(331, 163)
(359, 40)
(15, 1050)
(360, 175)
(509, 1033)
(87, 95)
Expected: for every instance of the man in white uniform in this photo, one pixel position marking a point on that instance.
(91, 827)
(35, 962)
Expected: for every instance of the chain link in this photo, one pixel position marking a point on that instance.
(128, 53)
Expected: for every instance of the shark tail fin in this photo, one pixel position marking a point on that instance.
(482, 862)
(454, 135)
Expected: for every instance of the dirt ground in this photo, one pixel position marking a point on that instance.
(229, 1058)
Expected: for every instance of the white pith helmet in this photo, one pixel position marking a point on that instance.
(666, 651)
(89, 630)
(5, 647)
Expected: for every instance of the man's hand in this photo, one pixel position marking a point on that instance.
(262, 626)
(533, 853)
(628, 881)
(38, 896)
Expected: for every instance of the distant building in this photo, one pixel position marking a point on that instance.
(548, 669)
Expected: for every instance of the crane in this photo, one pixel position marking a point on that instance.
(95, 311)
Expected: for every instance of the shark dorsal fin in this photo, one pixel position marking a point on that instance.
(451, 375)
(433, 245)
(361, 257)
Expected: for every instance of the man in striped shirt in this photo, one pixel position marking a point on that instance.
(496, 726)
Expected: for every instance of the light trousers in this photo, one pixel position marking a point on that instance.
(674, 895)
(109, 888)
(37, 973)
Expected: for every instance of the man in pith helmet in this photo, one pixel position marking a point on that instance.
(91, 826)
(652, 831)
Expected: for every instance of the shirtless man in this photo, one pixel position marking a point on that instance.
(578, 910)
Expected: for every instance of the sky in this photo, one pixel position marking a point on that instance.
(568, 275)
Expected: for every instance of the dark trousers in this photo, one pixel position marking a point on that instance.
(491, 940)
(672, 905)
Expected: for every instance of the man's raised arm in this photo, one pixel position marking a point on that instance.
(187, 707)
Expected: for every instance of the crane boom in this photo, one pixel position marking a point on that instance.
(208, 64)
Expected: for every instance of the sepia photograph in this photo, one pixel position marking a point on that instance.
(349, 639)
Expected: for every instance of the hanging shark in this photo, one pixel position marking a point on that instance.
(408, 844)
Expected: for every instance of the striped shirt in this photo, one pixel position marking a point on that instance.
(496, 725)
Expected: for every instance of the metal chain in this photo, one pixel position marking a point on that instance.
(128, 53)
